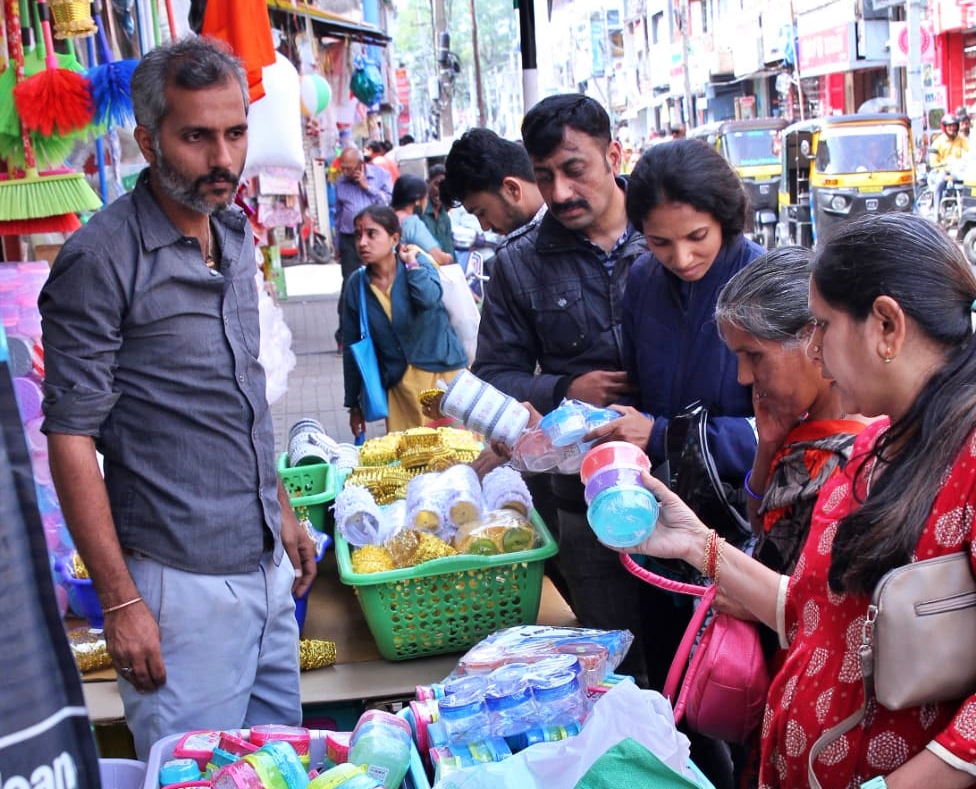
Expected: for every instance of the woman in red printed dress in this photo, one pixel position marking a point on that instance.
(893, 300)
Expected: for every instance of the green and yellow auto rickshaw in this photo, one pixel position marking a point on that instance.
(840, 167)
(752, 147)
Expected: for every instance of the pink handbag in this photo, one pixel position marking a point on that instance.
(724, 685)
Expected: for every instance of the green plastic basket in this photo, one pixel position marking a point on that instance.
(447, 605)
(311, 490)
(315, 479)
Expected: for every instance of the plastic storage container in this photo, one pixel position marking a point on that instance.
(464, 716)
(447, 605)
(381, 742)
(560, 698)
(162, 751)
(122, 773)
(511, 709)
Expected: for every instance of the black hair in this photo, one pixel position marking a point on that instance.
(479, 160)
(914, 262)
(407, 189)
(387, 146)
(688, 171)
(375, 146)
(382, 215)
(435, 171)
(544, 126)
(406, 139)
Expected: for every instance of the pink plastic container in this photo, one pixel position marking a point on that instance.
(612, 453)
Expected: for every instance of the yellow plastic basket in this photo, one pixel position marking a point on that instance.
(447, 605)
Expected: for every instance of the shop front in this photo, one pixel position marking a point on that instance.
(954, 28)
(842, 66)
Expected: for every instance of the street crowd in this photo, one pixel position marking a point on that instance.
(836, 383)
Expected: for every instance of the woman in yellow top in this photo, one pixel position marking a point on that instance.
(415, 344)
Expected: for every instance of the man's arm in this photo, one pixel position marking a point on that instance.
(131, 633)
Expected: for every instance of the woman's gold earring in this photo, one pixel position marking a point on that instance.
(887, 356)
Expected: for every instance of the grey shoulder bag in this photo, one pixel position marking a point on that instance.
(918, 641)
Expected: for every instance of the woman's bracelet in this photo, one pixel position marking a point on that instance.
(749, 491)
(719, 544)
(708, 557)
(113, 608)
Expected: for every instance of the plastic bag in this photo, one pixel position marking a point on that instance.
(366, 83)
(461, 308)
(625, 711)
(499, 531)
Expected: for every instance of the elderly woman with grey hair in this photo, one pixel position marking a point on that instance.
(804, 434)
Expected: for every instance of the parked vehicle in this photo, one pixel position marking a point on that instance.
(966, 229)
(752, 147)
(840, 167)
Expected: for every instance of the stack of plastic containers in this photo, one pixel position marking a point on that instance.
(620, 510)
(484, 718)
(20, 285)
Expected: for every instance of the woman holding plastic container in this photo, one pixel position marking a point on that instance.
(893, 301)
(415, 344)
(692, 208)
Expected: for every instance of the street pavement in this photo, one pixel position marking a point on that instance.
(315, 384)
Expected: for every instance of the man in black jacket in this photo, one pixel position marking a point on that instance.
(551, 325)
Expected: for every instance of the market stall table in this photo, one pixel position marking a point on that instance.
(360, 677)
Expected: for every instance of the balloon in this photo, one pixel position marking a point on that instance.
(316, 94)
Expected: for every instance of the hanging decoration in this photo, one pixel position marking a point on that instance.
(366, 83)
(316, 94)
(56, 99)
(72, 18)
(110, 81)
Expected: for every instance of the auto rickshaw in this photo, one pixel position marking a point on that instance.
(752, 148)
(966, 229)
(840, 167)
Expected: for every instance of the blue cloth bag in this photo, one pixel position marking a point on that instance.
(372, 396)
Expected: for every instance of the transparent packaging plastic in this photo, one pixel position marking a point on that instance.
(465, 717)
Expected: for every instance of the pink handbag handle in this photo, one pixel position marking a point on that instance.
(672, 692)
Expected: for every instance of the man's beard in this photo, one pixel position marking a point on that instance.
(186, 192)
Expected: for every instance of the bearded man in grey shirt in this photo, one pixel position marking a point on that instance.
(151, 335)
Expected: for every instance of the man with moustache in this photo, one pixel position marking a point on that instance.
(150, 330)
(550, 326)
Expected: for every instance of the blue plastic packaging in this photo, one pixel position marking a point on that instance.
(561, 697)
(465, 717)
(511, 709)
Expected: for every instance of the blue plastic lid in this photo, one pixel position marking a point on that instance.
(623, 516)
(508, 697)
(458, 706)
(465, 686)
(176, 771)
(555, 687)
(565, 425)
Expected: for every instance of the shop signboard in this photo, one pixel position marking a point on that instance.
(826, 51)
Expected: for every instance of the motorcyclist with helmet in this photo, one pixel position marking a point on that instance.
(946, 152)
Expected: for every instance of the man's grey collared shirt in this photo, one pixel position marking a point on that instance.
(155, 356)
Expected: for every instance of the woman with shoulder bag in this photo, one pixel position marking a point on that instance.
(406, 318)
(691, 207)
(893, 301)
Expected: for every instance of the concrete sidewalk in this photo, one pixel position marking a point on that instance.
(315, 385)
